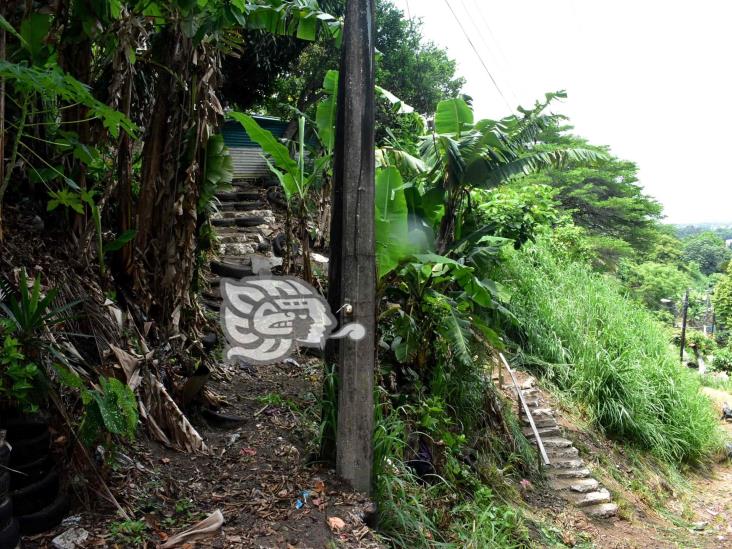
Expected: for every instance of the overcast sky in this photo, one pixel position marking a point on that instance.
(652, 79)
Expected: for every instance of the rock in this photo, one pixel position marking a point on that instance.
(556, 442)
(581, 486)
(592, 498)
(36, 225)
(699, 526)
(577, 472)
(603, 510)
(72, 538)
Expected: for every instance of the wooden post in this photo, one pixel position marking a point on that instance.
(684, 313)
(352, 273)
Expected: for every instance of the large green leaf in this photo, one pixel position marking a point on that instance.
(392, 226)
(34, 30)
(325, 114)
(453, 116)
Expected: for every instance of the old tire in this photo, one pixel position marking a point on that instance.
(32, 446)
(46, 518)
(4, 454)
(28, 473)
(37, 495)
(6, 512)
(4, 483)
(9, 535)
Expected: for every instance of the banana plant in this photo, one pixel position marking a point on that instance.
(462, 154)
(291, 174)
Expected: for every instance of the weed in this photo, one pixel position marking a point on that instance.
(129, 532)
(607, 353)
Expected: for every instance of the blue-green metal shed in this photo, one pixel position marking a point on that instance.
(246, 155)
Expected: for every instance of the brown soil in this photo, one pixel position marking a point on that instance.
(255, 475)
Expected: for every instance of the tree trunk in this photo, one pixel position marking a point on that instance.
(172, 171)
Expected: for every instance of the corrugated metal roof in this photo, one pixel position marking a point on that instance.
(235, 135)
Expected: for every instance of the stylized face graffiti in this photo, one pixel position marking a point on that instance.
(264, 318)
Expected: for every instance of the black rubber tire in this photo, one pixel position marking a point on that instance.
(10, 535)
(4, 454)
(28, 473)
(4, 483)
(6, 511)
(36, 496)
(32, 447)
(46, 518)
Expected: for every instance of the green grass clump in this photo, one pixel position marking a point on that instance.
(609, 355)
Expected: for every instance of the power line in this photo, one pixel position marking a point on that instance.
(499, 55)
(409, 12)
(477, 54)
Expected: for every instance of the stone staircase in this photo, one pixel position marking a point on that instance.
(248, 235)
(568, 474)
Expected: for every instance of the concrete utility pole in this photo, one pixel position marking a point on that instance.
(684, 313)
(352, 273)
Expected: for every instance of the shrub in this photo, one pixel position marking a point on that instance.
(722, 361)
(609, 354)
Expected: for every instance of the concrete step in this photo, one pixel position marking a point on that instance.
(575, 472)
(592, 498)
(245, 183)
(566, 463)
(541, 411)
(247, 206)
(578, 485)
(267, 215)
(234, 249)
(238, 196)
(546, 432)
(231, 270)
(241, 221)
(556, 442)
(540, 422)
(559, 453)
(533, 402)
(602, 510)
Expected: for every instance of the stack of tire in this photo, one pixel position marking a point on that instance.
(38, 504)
(9, 530)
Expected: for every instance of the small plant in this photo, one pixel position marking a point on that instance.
(18, 378)
(27, 312)
(129, 532)
(111, 406)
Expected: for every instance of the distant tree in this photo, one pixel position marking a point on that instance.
(652, 282)
(415, 70)
(723, 299)
(708, 250)
(602, 195)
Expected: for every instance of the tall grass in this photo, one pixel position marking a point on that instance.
(608, 354)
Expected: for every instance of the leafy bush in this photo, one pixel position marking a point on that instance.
(722, 361)
(17, 376)
(609, 354)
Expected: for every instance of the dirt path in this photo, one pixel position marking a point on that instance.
(712, 496)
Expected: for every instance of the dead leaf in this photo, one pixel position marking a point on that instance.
(248, 452)
(336, 524)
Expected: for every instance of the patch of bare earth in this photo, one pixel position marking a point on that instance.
(257, 475)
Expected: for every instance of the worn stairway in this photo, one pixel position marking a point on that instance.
(568, 474)
(247, 234)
